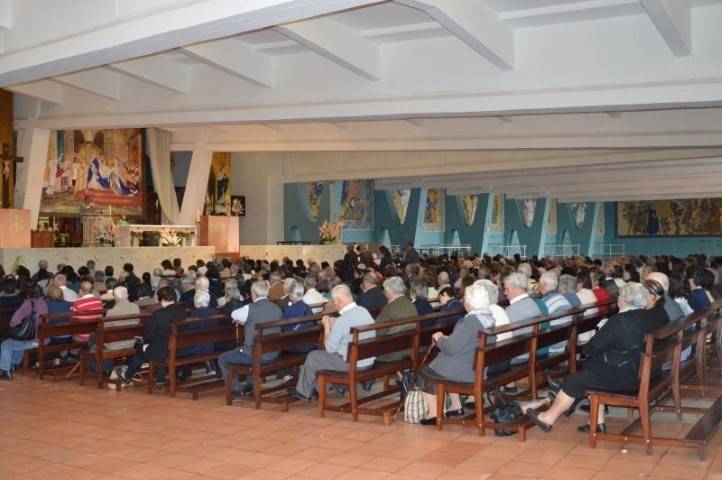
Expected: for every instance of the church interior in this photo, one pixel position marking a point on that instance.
(359, 239)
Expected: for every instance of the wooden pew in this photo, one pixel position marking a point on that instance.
(48, 331)
(284, 343)
(182, 338)
(107, 334)
(5, 315)
(491, 353)
(374, 347)
(660, 347)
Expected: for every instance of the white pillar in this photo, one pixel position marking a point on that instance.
(196, 186)
(30, 183)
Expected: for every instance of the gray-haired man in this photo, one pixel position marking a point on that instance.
(337, 336)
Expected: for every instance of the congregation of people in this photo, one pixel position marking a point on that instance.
(364, 288)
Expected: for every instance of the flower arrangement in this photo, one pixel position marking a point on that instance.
(330, 232)
(170, 238)
(108, 235)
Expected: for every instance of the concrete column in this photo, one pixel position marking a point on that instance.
(196, 186)
(30, 180)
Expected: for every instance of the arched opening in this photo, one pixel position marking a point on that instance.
(384, 237)
(455, 240)
(565, 238)
(295, 234)
(515, 246)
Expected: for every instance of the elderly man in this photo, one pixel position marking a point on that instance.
(188, 291)
(276, 290)
(61, 282)
(398, 307)
(371, 298)
(42, 276)
(555, 302)
(337, 336)
(122, 307)
(674, 311)
(259, 311)
(312, 297)
(521, 306)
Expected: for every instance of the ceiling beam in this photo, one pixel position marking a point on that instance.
(338, 43)
(712, 193)
(673, 21)
(183, 23)
(159, 71)
(98, 81)
(570, 11)
(474, 24)
(45, 90)
(234, 58)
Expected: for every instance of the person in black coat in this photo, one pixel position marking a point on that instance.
(372, 297)
(614, 353)
(419, 290)
(156, 336)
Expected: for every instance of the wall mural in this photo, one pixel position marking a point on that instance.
(434, 219)
(314, 190)
(689, 217)
(106, 165)
(401, 199)
(471, 204)
(552, 223)
(579, 212)
(528, 211)
(218, 195)
(497, 213)
(356, 209)
(600, 221)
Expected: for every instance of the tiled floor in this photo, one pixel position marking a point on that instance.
(61, 430)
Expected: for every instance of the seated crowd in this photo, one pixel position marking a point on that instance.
(366, 288)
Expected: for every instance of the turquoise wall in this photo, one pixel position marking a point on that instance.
(679, 246)
(533, 237)
(586, 236)
(386, 219)
(456, 221)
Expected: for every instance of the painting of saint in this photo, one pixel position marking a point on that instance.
(552, 223)
(527, 209)
(434, 220)
(356, 207)
(218, 183)
(105, 165)
(401, 199)
(497, 213)
(314, 190)
(579, 213)
(678, 217)
(470, 203)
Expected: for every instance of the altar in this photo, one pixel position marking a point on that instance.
(130, 235)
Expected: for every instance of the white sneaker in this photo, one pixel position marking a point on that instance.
(113, 376)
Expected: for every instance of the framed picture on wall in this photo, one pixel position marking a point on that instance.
(238, 205)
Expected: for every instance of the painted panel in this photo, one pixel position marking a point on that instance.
(662, 218)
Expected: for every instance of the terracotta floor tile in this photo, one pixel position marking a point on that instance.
(325, 471)
(680, 472)
(385, 464)
(523, 469)
(425, 469)
(558, 472)
(227, 472)
(349, 459)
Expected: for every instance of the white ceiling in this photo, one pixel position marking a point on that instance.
(385, 76)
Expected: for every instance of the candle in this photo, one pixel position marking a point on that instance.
(110, 210)
(198, 216)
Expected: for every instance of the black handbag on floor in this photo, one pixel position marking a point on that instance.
(503, 411)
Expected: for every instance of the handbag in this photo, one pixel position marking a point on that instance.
(28, 328)
(503, 411)
(415, 408)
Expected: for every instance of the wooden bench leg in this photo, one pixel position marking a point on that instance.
(646, 427)
(593, 418)
(256, 389)
(479, 405)
(26, 362)
(151, 377)
(100, 373)
(322, 395)
(230, 375)
(171, 380)
(82, 371)
(353, 394)
(440, 404)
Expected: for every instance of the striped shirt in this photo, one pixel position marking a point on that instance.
(86, 303)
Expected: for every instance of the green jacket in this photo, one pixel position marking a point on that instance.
(399, 309)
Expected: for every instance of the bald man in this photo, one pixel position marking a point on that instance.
(674, 311)
(337, 336)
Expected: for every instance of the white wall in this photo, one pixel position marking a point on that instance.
(259, 176)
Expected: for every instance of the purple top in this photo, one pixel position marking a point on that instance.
(41, 308)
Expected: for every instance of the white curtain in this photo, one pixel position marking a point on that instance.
(196, 188)
(159, 151)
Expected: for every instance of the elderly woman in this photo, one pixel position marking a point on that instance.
(455, 361)
(418, 291)
(614, 353)
(11, 350)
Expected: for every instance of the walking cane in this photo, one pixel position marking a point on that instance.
(413, 380)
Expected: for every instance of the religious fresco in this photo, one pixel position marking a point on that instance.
(401, 199)
(496, 223)
(106, 165)
(579, 212)
(527, 208)
(356, 208)
(600, 221)
(314, 190)
(434, 218)
(552, 223)
(219, 183)
(471, 204)
(688, 217)
(7, 150)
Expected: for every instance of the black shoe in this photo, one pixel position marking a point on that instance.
(294, 393)
(6, 375)
(601, 428)
(509, 390)
(368, 385)
(122, 377)
(545, 427)
(455, 413)
(428, 421)
(553, 384)
(586, 408)
(247, 389)
(339, 389)
(470, 405)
